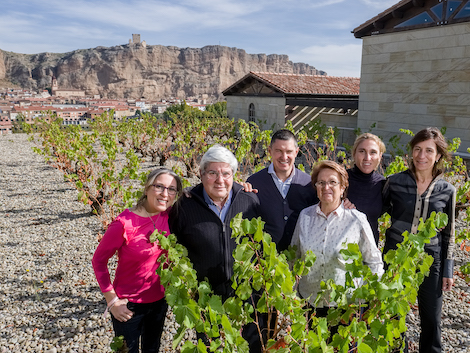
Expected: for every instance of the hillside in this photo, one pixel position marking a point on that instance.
(150, 71)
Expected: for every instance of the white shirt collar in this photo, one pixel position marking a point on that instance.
(271, 171)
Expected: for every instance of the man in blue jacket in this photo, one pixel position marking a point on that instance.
(283, 189)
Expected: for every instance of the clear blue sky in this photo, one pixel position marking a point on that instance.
(317, 32)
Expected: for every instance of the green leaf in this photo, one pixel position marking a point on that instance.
(243, 252)
(244, 290)
(247, 227)
(259, 224)
(187, 314)
(236, 225)
(179, 336)
(117, 343)
(201, 347)
(215, 344)
(215, 303)
(204, 289)
(230, 333)
(376, 326)
(233, 305)
(364, 348)
(383, 291)
(261, 306)
(309, 258)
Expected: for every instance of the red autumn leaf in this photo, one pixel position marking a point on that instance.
(279, 344)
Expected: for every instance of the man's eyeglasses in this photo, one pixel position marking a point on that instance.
(322, 184)
(213, 175)
(160, 188)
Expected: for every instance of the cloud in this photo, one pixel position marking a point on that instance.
(52, 25)
(257, 26)
(336, 60)
(296, 4)
(382, 5)
(154, 16)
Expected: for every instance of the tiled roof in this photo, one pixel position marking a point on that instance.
(31, 107)
(309, 84)
(72, 110)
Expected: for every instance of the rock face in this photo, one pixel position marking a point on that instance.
(150, 71)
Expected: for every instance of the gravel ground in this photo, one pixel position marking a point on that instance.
(49, 299)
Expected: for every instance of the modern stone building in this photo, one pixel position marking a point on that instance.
(416, 69)
(270, 99)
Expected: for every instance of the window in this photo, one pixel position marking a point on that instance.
(445, 12)
(451, 7)
(251, 112)
(422, 18)
(465, 12)
(438, 10)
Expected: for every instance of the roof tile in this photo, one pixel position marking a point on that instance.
(310, 84)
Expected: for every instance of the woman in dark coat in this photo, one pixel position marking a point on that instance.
(365, 183)
(414, 194)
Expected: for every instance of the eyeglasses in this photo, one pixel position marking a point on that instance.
(160, 188)
(213, 175)
(322, 184)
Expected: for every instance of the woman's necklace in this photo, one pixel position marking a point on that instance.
(154, 225)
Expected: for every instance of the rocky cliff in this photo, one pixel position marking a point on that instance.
(137, 70)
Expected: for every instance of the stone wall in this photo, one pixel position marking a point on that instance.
(269, 111)
(417, 78)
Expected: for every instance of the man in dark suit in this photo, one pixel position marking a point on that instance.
(283, 189)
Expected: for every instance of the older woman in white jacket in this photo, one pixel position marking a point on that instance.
(326, 228)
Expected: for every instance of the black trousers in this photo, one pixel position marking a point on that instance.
(250, 331)
(429, 301)
(267, 324)
(146, 324)
(430, 309)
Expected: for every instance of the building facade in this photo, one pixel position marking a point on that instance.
(416, 69)
(271, 99)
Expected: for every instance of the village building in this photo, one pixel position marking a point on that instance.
(65, 92)
(92, 114)
(416, 69)
(28, 114)
(270, 99)
(6, 126)
(159, 107)
(72, 116)
(121, 113)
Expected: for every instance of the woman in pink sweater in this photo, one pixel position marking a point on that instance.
(135, 298)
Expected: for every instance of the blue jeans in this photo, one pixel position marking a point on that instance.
(146, 324)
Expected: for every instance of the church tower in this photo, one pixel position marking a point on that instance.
(55, 86)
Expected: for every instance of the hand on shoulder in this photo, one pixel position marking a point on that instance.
(247, 187)
(348, 204)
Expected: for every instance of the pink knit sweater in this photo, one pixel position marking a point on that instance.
(135, 277)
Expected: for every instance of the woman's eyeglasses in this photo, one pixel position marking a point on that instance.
(160, 188)
(322, 184)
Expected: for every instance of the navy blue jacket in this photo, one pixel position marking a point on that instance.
(281, 214)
